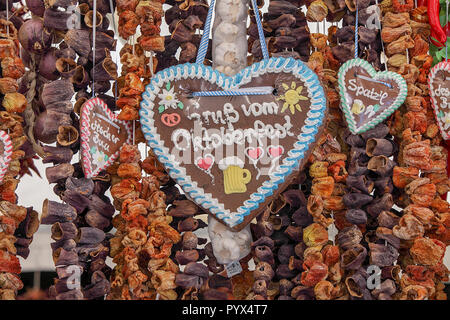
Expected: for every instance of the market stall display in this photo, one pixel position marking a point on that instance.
(228, 149)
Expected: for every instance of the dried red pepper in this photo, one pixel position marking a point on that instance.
(437, 32)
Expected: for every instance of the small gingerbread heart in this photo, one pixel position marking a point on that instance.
(368, 97)
(102, 136)
(440, 95)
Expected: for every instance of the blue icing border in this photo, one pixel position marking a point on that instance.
(313, 121)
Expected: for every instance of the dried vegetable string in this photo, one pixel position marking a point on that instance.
(144, 17)
(367, 196)
(185, 20)
(420, 178)
(64, 63)
(17, 223)
(141, 247)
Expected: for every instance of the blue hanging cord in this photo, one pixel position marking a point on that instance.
(226, 93)
(203, 48)
(239, 92)
(201, 54)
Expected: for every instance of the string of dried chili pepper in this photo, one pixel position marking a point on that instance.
(137, 59)
(142, 245)
(323, 271)
(17, 224)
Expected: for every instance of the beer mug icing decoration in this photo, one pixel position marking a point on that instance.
(439, 84)
(233, 143)
(235, 177)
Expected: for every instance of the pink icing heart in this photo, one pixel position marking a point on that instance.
(254, 153)
(205, 163)
(275, 151)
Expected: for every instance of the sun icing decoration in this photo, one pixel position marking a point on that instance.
(292, 97)
(168, 99)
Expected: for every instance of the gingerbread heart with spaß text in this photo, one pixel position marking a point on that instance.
(102, 136)
(5, 153)
(439, 85)
(368, 97)
(219, 150)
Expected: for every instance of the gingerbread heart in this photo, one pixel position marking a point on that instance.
(368, 97)
(238, 185)
(439, 85)
(102, 136)
(5, 153)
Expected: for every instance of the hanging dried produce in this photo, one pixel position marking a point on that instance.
(184, 20)
(137, 55)
(142, 245)
(382, 190)
(59, 53)
(17, 224)
(369, 217)
(286, 31)
(420, 177)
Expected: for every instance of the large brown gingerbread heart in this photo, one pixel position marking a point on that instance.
(232, 154)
